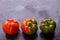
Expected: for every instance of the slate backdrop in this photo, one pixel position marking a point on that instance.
(38, 9)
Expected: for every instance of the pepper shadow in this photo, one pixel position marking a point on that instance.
(30, 37)
(49, 36)
(12, 37)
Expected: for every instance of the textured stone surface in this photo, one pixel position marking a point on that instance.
(38, 9)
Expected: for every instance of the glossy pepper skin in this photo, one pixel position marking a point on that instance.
(10, 26)
(48, 26)
(29, 26)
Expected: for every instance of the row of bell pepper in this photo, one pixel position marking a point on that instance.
(29, 26)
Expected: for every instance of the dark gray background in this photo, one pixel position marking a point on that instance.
(38, 9)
